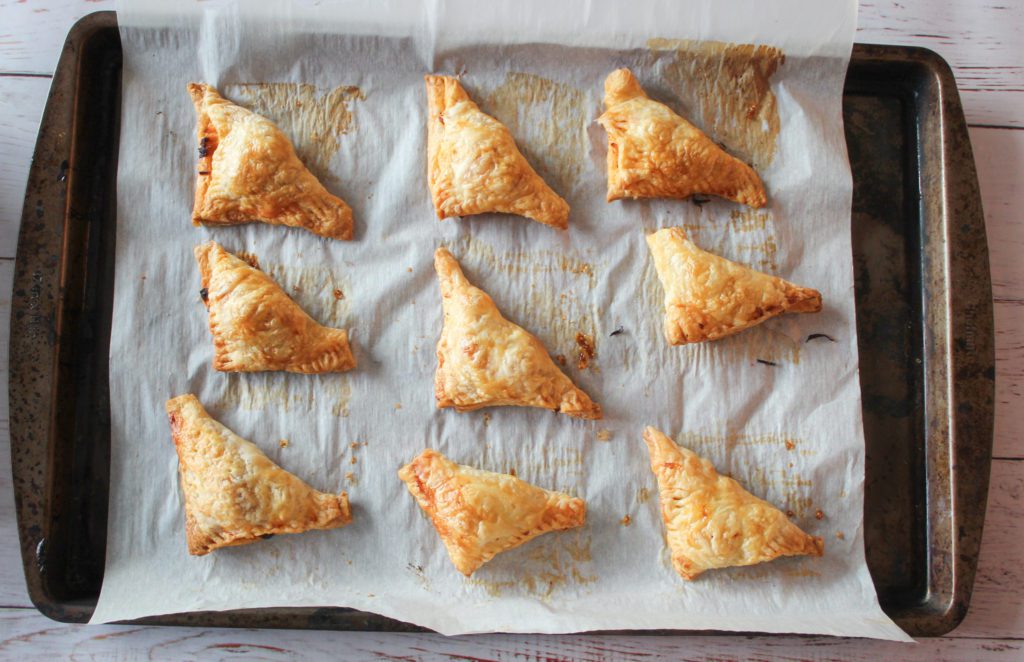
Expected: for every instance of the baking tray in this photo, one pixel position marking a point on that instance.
(924, 321)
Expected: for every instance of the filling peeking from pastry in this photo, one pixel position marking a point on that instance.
(474, 166)
(479, 514)
(257, 327)
(484, 360)
(711, 521)
(655, 153)
(234, 494)
(709, 297)
(248, 171)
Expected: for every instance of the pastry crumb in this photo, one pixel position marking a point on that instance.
(487, 419)
(790, 444)
(351, 478)
(354, 445)
(283, 443)
(409, 269)
(789, 513)
(338, 294)
(626, 521)
(604, 434)
(586, 351)
(840, 535)
(818, 514)
(512, 471)
(353, 460)
(561, 359)
(398, 405)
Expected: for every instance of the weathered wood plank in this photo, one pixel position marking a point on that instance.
(21, 107)
(29, 635)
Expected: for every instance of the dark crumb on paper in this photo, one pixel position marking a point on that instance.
(767, 362)
(790, 444)
(818, 514)
(283, 443)
(616, 332)
(840, 535)
(604, 434)
(700, 200)
(418, 569)
(586, 350)
(626, 521)
(351, 478)
(338, 294)
(267, 536)
(561, 359)
(205, 293)
(204, 172)
(203, 147)
(815, 336)
(512, 471)
(789, 513)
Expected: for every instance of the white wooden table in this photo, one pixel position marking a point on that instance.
(984, 42)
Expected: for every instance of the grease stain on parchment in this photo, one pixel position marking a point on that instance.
(552, 561)
(729, 87)
(286, 392)
(314, 118)
(316, 289)
(548, 121)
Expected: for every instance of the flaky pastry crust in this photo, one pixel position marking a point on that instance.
(484, 360)
(479, 514)
(234, 494)
(709, 297)
(655, 153)
(248, 171)
(257, 327)
(474, 166)
(711, 521)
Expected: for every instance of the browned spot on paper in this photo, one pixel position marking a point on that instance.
(487, 419)
(315, 119)
(840, 535)
(398, 405)
(790, 444)
(548, 122)
(643, 495)
(747, 220)
(626, 521)
(283, 443)
(351, 478)
(550, 563)
(585, 350)
(307, 283)
(513, 261)
(726, 88)
(338, 294)
(604, 434)
(561, 360)
(285, 392)
(819, 515)
(353, 460)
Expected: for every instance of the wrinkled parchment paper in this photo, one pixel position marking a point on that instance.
(776, 410)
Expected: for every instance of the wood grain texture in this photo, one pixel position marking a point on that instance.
(21, 107)
(31, 636)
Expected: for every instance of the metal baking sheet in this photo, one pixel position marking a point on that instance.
(924, 321)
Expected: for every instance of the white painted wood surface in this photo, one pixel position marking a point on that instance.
(981, 39)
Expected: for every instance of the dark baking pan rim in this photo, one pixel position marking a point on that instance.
(60, 329)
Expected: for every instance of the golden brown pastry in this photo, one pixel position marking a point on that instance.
(474, 166)
(712, 522)
(709, 297)
(483, 360)
(480, 514)
(257, 327)
(248, 171)
(655, 153)
(234, 494)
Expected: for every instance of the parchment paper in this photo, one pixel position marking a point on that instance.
(779, 412)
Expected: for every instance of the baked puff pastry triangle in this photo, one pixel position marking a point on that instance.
(248, 171)
(711, 521)
(480, 514)
(234, 494)
(655, 153)
(483, 360)
(474, 166)
(257, 327)
(709, 297)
